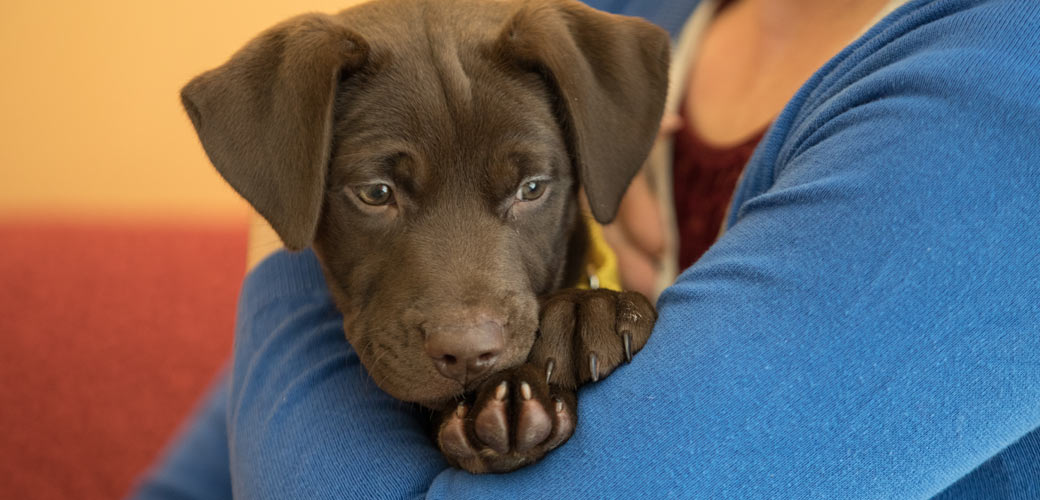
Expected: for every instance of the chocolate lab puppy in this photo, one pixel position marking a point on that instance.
(432, 153)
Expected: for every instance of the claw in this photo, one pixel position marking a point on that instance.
(500, 391)
(549, 366)
(559, 404)
(627, 336)
(461, 410)
(525, 390)
(593, 367)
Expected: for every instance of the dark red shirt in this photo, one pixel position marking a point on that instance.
(705, 177)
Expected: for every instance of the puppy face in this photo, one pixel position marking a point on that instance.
(451, 202)
(432, 152)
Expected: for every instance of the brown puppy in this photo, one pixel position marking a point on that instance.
(432, 152)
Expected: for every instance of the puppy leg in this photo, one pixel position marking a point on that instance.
(585, 334)
(520, 414)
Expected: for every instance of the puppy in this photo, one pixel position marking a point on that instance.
(432, 153)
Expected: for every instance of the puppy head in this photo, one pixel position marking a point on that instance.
(432, 154)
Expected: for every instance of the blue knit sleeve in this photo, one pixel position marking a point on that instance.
(304, 419)
(869, 325)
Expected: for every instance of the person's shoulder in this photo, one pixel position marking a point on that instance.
(948, 28)
(961, 65)
(936, 89)
(973, 44)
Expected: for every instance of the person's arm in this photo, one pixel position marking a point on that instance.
(297, 416)
(869, 326)
(304, 418)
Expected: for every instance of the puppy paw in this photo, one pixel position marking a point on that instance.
(585, 334)
(514, 420)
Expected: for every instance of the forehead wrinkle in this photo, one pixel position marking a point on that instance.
(444, 54)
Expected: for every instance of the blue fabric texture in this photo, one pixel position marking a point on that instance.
(305, 419)
(196, 464)
(868, 326)
(668, 14)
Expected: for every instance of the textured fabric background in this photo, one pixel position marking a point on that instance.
(108, 335)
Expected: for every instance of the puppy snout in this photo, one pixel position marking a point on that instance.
(465, 352)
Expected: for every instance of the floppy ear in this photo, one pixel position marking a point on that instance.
(610, 74)
(265, 118)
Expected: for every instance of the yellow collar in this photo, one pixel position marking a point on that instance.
(601, 270)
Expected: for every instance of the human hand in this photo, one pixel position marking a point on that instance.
(637, 235)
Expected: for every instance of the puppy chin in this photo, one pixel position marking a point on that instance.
(435, 394)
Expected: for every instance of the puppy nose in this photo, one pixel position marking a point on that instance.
(465, 352)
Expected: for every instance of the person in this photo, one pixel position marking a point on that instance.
(867, 326)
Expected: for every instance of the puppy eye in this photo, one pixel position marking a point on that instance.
(531, 190)
(375, 194)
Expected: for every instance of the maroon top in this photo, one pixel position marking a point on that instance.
(705, 177)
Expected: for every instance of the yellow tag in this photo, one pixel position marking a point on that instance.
(601, 269)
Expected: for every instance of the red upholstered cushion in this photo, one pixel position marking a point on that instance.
(108, 335)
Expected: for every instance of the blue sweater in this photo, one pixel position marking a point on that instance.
(868, 326)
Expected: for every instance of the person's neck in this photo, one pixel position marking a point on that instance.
(783, 20)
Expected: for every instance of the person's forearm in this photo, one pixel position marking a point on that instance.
(304, 419)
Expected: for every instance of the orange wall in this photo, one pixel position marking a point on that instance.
(90, 119)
